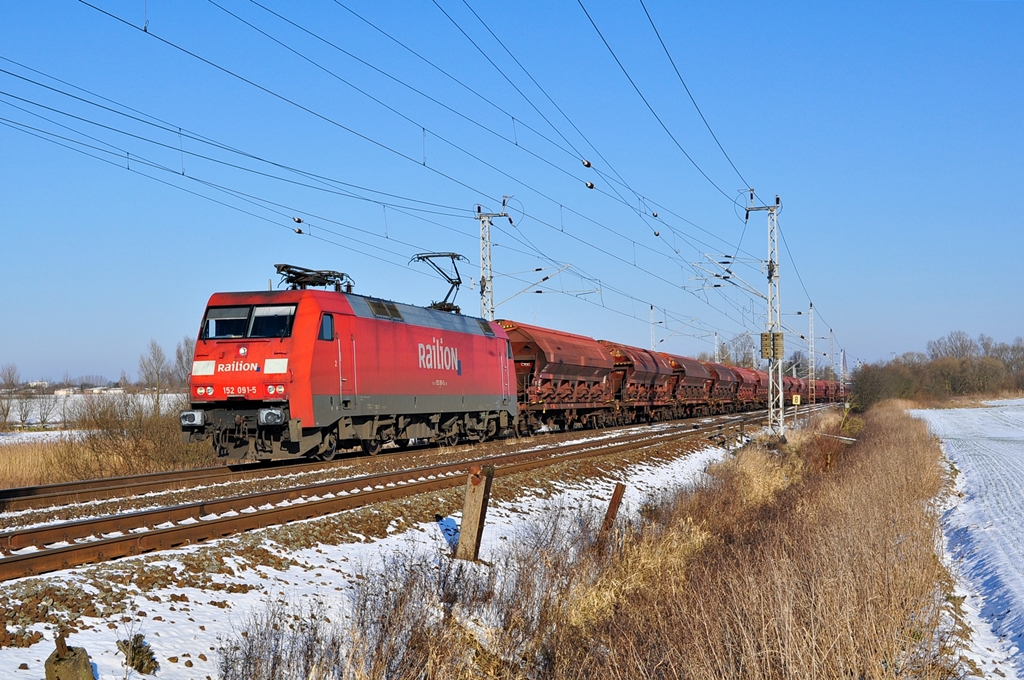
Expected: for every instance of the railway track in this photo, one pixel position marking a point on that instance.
(48, 495)
(36, 550)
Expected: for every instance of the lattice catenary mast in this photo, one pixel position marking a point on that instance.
(486, 274)
(772, 343)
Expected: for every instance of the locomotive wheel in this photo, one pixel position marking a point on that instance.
(330, 449)
(370, 446)
(402, 443)
(450, 439)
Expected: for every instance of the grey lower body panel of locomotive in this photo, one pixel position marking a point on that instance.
(369, 421)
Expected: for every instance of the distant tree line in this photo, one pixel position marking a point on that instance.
(954, 365)
(158, 375)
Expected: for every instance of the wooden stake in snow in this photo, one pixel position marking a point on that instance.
(613, 509)
(478, 491)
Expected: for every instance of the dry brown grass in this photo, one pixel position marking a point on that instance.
(834, 576)
(115, 435)
(30, 464)
(817, 560)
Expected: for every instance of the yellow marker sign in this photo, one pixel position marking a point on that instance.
(796, 400)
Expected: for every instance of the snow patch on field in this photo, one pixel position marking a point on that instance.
(38, 436)
(984, 527)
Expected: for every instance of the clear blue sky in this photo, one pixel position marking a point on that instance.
(892, 131)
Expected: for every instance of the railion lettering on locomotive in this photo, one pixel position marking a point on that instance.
(238, 366)
(436, 356)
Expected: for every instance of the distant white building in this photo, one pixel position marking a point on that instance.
(65, 392)
(39, 384)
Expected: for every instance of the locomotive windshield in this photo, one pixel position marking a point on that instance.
(225, 322)
(272, 322)
(261, 321)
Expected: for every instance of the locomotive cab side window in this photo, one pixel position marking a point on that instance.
(326, 328)
(271, 321)
(225, 322)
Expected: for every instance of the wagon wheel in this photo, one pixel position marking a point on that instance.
(370, 446)
(329, 450)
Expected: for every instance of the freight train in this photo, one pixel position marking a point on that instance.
(305, 372)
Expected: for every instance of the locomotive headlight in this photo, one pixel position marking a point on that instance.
(192, 418)
(280, 389)
(270, 416)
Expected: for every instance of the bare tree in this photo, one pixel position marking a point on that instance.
(23, 407)
(183, 354)
(67, 411)
(739, 351)
(10, 379)
(46, 406)
(957, 345)
(797, 360)
(155, 373)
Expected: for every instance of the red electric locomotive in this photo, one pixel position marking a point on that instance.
(299, 372)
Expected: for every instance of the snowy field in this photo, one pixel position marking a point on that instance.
(984, 527)
(324, 574)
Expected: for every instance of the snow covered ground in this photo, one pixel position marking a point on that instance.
(183, 630)
(984, 526)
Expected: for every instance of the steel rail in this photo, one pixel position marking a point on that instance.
(357, 491)
(59, 493)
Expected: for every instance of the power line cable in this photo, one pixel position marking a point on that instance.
(240, 167)
(287, 100)
(413, 122)
(338, 124)
(53, 138)
(171, 128)
(690, 94)
(651, 108)
(325, 118)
